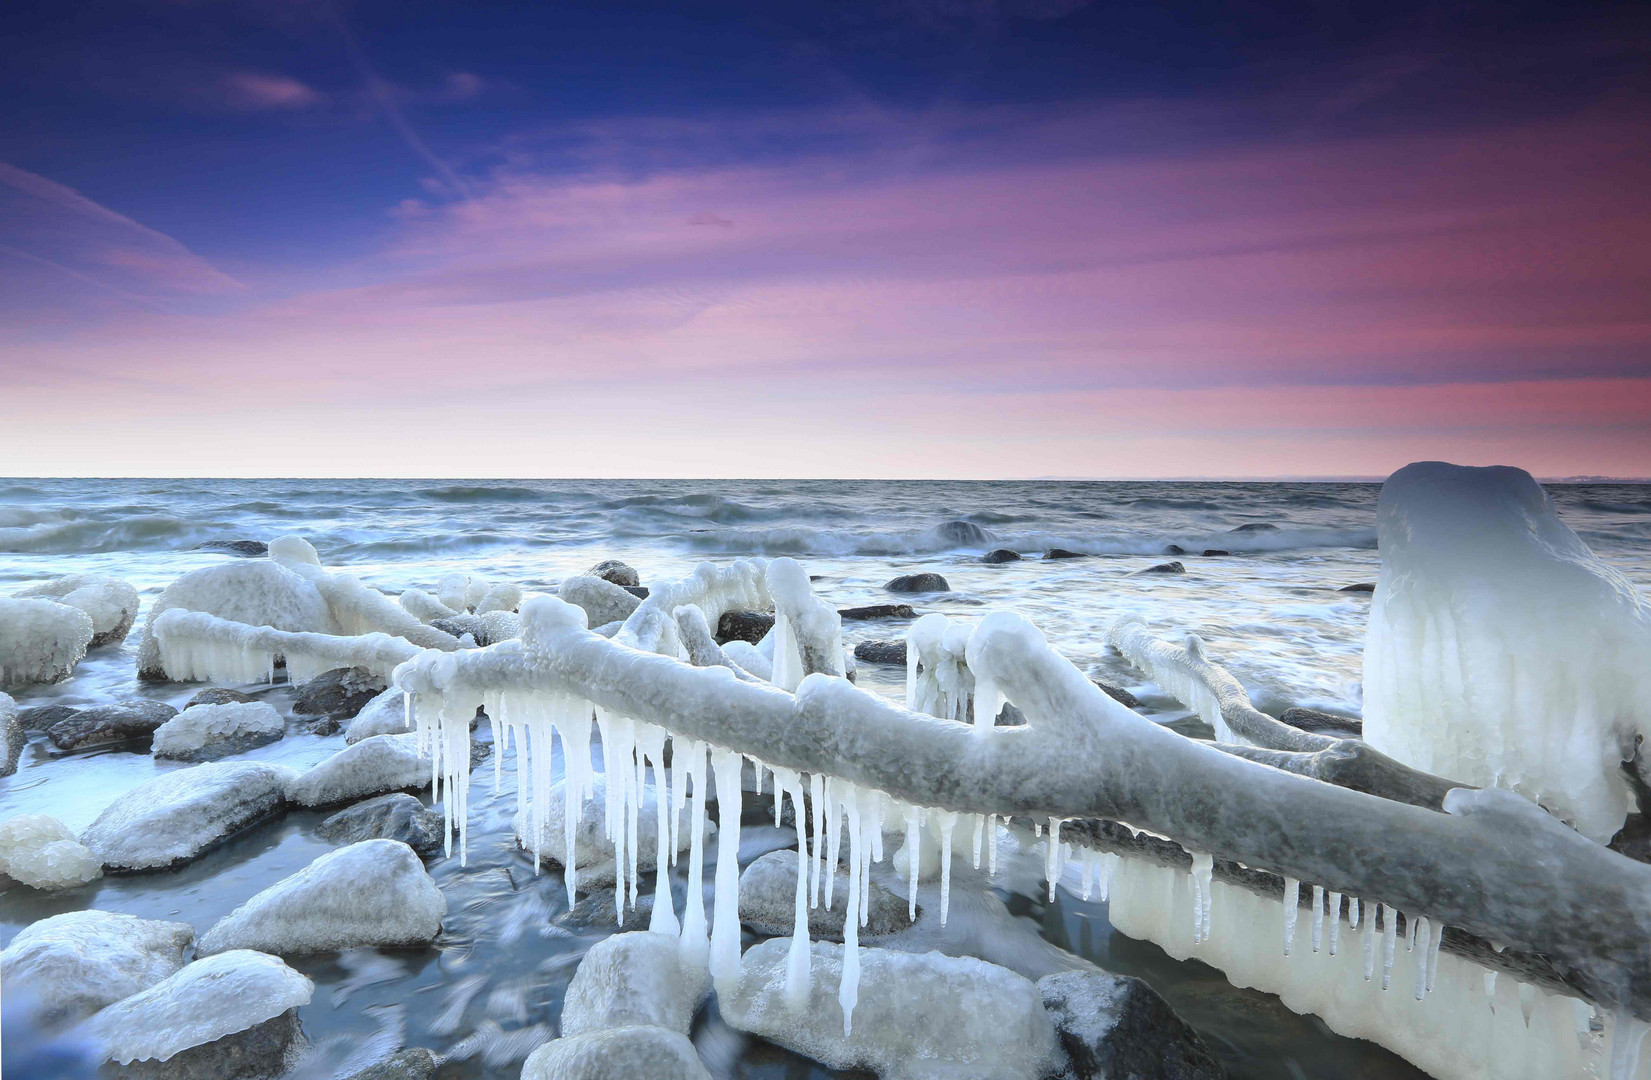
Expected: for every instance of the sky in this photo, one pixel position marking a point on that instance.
(914, 238)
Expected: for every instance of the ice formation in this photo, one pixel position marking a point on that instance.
(424, 607)
(256, 592)
(592, 846)
(634, 979)
(111, 603)
(938, 679)
(177, 815)
(76, 963)
(370, 767)
(601, 601)
(371, 893)
(41, 641)
(652, 1052)
(1500, 649)
(205, 731)
(385, 714)
(42, 853)
(211, 998)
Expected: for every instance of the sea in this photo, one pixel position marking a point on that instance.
(1267, 566)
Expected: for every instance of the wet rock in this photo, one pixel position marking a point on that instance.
(768, 902)
(1062, 553)
(638, 591)
(881, 652)
(245, 548)
(1000, 555)
(219, 695)
(1174, 549)
(962, 534)
(613, 570)
(1118, 694)
(916, 583)
(42, 717)
(414, 1063)
(371, 767)
(1254, 526)
(1362, 586)
(1325, 723)
(397, 816)
(177, 815)
(1174, 567)
(878, 611)
(121, 722)
(640, 1052)
(338, 694)
(602, 601)
(751, 626)
(257, 1053)
(631, 980)
(595, 911)
(324, 726)
(76, 963)
(1208, 552)
(1114, 1026)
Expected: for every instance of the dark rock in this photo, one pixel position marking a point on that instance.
(42, 717)
(1363, 586)
(415, 1063)
(327, 725)
(768, 889)
(245, 548)
(396, 816)
(12, 740)
(1175, 549)
(1255, 526)
(1000, 555)
(254, 1054)
(638, 591)
(615, 571)
(460, 625)
(878, 611)
(881, 652)
(1118, 694)
(1164, 568)
(962, 534)
(100, 724)
(594, 911)
(925, 582)
(1062, 553)
(1114, 1027)
(1215, 551)
(750, 626)
(338, 694)
(1318, 720)
(218, 695)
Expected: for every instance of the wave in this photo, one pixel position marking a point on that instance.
(484, 493)
(798, 540)
(56, 534)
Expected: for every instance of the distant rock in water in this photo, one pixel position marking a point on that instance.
(245, 548)
(1062, 553)
(219, 695)
(751, 626)
(621, 574)
(338, 694)
(123, 721)
(1215, 551)
(1174, 549)
(881, 652)
(962, 534)
(1254, 526)
(1363, 586)
(1118, 1026)
(1000, 555)
(397, 816)
(878, 611)
(1164, 568)
(916, 583)
(1325, 723)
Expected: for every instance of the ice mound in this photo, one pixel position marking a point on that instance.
(1501, 650)
(372, 766)
(41, 641)
(177, 815)
(617, 1054)
(919, 1016)
(257, 592)
(592, 850)
(76, 963)
(634, 979)
(374, 893)
(201, 732)
(42, 853)
(602, 601)
(292, 551)
(111, 603)
(386, 714)
(211, 998)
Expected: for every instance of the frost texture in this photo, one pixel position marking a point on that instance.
(42, 853)
(41, 641)
(177, 815)
(370, 767)
(211, 998)
(635, 979)
(1501, 650)
(74, 964)
(216, 730)
(921, 1016)
(375, 892)
(111, 603)
(617, 1054)
(257, 592)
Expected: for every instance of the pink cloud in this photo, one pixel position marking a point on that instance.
(253, 90)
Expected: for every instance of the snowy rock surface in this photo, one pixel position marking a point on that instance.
(41, 641)
(1116, 1026)
(602, 601)
(370, 767)
(591, 847)
(122, 721)
(386, 714)
(12, 736)
(919, 1016)
(111, 603)
(42, 853)
(220, 995)
(397, 816)
(374, 893)
(203, 732)
(633, 1053)
(621, 574)
(768, 902)
(76, 963)
(636, 979)
(177, 815)
(258, 592)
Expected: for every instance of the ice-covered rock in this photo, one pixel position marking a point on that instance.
(41, 641)
(370, 767)
(635, 979)
(500, 597)
(122, 721)
(258, 592)
(42, 853)
(413, 1063)
(111, 603)
(218, 996)
(373, 893)
(768, 902)
(74, 964)
(12, 736)
(918, 583)
(630, 1053)
(1117, 1026)
(246, 549)
(218, 695)
(919, 1016)
(1500, 649)
(602, 601)
(593, 851)
(621, 574)
(397, 816)
(385, 714)
(204, 732)
(180, 814)
(340, 693)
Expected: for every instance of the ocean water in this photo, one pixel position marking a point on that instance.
(1271, 610)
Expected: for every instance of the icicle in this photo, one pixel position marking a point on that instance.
(1318, 916)
(633, 809)
(1352, 913)
(1335, 921)
(1627, 1035)
(693, 940)
(679, 793)
(980, 833)
(574, 727)
(1433, 955)
(725, 926)
(1292, 903)
(1109, 866)
(797, 958)
(1054, 863)
(1037, 830)
(991, 845)
(663, 919)
(1390, 942)
(848, 990)
(987, 704)
(1410, 934)
(914, 841)
(833, 837)
(1423, 930)
(1203, 869)
(948, 821)
(1528, 997)
(1490, 988)
(1369, 942)
(816, 839)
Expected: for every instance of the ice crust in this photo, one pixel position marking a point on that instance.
(217, 996)
(372, 766)
(111, 603)
(41, 641)
(257, 592)
(1500, 649)
(634, 979)
(76, 963)
(177, 815)
(602, 601)
(216, 730)
(371, 893)
(385, 714)
(631, 1053)
(42, 853)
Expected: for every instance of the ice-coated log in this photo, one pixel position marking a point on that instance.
(808, 632)
(1500, 649)
(75, 963)
(739, 586)
(253, 592)
(41, 641)
(179, 814)
(111, 603)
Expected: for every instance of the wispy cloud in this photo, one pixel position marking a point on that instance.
(254, 90)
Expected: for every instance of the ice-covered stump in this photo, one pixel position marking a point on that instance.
(1501, 650)
(42, 853)
(76, 963)
(635, 979)
(41, 641)
(372, 766)
(111, 603)
(919, 1017)
(256, 592)
(373, 893)
(592, 849)
(177, 815)
(617, 1054)
(204, 732)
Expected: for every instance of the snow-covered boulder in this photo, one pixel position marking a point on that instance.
(1114, 1025)
(370, 767)
(374, 893)
(177, 815)
(593, 851)
(601, 601)
(385, 714)
(634, 979)
(501, 597)
(42, 853)
(258, 592)
(111, 603)
(74, 964)
(117, 722)
(204, 732)
(12, 736)
(768, 902)
(617, 1054)
(918, 1016)
(41, 641)
(397, 816)
(219, 996)
(1500, 649)
(620, 573)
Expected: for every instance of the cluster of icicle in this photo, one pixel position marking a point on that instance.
(197, 646)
